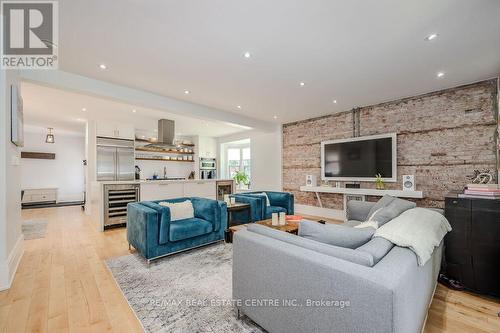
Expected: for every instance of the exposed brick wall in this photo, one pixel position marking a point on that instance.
(442, 137)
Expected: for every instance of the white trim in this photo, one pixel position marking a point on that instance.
(394, 177)
(336, 214)
(9, 268)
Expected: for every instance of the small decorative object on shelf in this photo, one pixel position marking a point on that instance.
(481, 177)
(379, 183)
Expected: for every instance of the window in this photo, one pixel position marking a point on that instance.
(236, 157)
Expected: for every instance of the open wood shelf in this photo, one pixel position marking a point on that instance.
(159, 159)
(154, 142)
(153, 150)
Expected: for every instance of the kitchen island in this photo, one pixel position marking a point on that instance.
(153, 190)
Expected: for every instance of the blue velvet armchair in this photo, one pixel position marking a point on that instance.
(279, 202)
(151, 232)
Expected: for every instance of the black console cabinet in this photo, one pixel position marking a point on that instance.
(472, 248)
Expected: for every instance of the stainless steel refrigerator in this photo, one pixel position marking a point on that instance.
(115, 159)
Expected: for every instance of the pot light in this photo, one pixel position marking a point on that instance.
(440, 74)
(238, 107)
(275, 117)
(431, 37)
(134, 110)
(302, 84)
(50, 136)
(247, 55)
(103, 66)
(84, 109)
(334, 101)
(186, 92)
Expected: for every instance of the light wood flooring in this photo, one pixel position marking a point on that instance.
(63, 285)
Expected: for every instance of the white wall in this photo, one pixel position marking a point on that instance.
(265, 150)
(66, 172)
(11, 239)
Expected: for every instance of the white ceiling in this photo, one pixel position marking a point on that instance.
(62, 110)
(358, 52)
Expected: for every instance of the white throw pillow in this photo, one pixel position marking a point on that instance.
(179, 210)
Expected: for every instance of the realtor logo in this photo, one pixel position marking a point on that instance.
(29, 35)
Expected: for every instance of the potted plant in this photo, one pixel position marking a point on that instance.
(241, 178)
(379, 183)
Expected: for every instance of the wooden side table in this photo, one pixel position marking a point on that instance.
(236, 207)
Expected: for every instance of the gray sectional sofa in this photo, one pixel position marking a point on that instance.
(287, 283)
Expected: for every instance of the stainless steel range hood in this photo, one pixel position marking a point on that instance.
(166, 133)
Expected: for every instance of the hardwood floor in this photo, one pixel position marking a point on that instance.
(63, 285)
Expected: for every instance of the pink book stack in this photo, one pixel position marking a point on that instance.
(482, 191)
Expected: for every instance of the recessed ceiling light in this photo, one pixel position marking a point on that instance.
(275, 117)
(431, 37)
(440, 74)
(238, 106)
(134, 110)
(247, 55)
(302, 84)
(103, 66)
(143, 137)
(186, 92)
(334, 101)
(84, 109)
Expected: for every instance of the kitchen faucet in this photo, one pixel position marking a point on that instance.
(164, 172)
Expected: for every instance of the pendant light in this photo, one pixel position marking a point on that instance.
(50, 136)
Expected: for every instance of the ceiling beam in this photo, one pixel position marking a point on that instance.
(81, 84)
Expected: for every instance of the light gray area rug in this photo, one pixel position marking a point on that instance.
(35, 228)
(187, 292)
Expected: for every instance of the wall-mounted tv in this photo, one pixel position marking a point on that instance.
(360, 159)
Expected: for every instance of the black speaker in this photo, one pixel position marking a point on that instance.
(352, 185)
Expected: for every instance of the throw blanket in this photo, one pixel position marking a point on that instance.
(419, 229)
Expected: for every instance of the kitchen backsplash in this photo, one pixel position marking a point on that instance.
(174, 169)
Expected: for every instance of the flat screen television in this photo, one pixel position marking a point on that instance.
(360, 159)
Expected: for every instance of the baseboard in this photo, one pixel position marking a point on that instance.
(52, 204)
(336, 214)
(9, 267)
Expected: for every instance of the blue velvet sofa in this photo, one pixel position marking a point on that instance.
(279, 202)
(153, 235)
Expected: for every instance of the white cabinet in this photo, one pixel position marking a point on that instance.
(39, 195)
(116, 130)
(161, 190)
(200, 189)
(207, 147)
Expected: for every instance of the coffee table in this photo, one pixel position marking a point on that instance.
(290, 227)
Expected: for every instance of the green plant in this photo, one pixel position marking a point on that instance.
(379, 183)
(241, 178)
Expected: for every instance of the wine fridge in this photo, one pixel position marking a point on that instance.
(116, 199)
